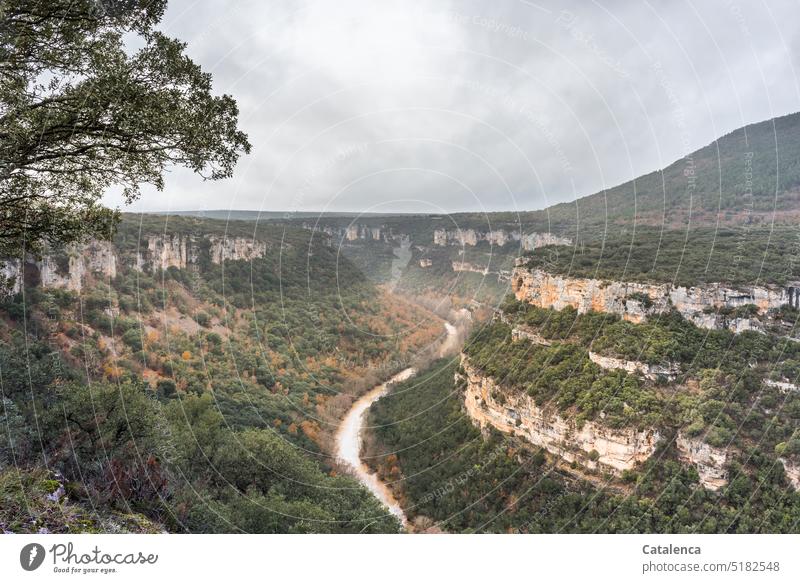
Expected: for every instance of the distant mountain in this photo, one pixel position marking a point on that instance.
(248, 215)
(744, 177)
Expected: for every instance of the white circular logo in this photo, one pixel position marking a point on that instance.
(31, 556)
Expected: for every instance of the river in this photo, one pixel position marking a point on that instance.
(348, 444)
(348, 437)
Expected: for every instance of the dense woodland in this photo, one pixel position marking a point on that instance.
(719, 393)
(452, 478)
(198, 400)
(737, 256)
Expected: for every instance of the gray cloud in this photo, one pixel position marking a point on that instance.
(449, 106)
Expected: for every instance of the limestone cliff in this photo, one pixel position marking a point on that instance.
(635, 301)
(236, 249)
(66, 269)
(69, 268)
(499, 237)
(709, 461)
(354, 232)
(536, 240)
(792, 470)
(591, 445)
(650, 371)
(165, 251)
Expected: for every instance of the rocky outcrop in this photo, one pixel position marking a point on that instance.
(164, 251)
(68, 269)
(635, 301)
(709, 461)
(350, 233)
(499, 237)
(792, 471)
(783, 386)
(236, 249)
(653, 372)
(65, 269)
(591, 445)
(471, 267)
(525, 333)
(536, 240)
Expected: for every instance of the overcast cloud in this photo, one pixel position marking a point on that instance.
(450, 106)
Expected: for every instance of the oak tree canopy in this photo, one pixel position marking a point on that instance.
(82, 110)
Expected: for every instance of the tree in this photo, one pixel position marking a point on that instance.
(109, 437)
(81, 112)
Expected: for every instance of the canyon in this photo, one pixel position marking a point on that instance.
(349, 440)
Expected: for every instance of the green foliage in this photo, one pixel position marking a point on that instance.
(738, 256)
(465, 483)
(562, 376)
(260, 482)
(67, 134)
(733, 406)
(133, 338)
(216, 439)
(34, 502)
(14, 435)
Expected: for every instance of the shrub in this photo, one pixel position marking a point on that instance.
(133, 338)
(203, 319)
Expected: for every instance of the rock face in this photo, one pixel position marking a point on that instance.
(64, 270)
(499, 237)
(783, 386)
(537, 240)
(236, 249)
(592, 445)
(650, 371)
(525, 333)
(792, 470)
(68, 269)
(354, 232)
(635, 301)
(709, 461)
(471, 267)
(165, 251)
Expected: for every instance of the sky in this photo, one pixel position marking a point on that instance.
(441, 107)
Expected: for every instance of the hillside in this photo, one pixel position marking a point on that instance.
(555, 422)
(191, 372)
(741, 256)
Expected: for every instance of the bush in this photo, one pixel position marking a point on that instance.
(166, 389)
(203, 319)
(133, 338)
(97, 301)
